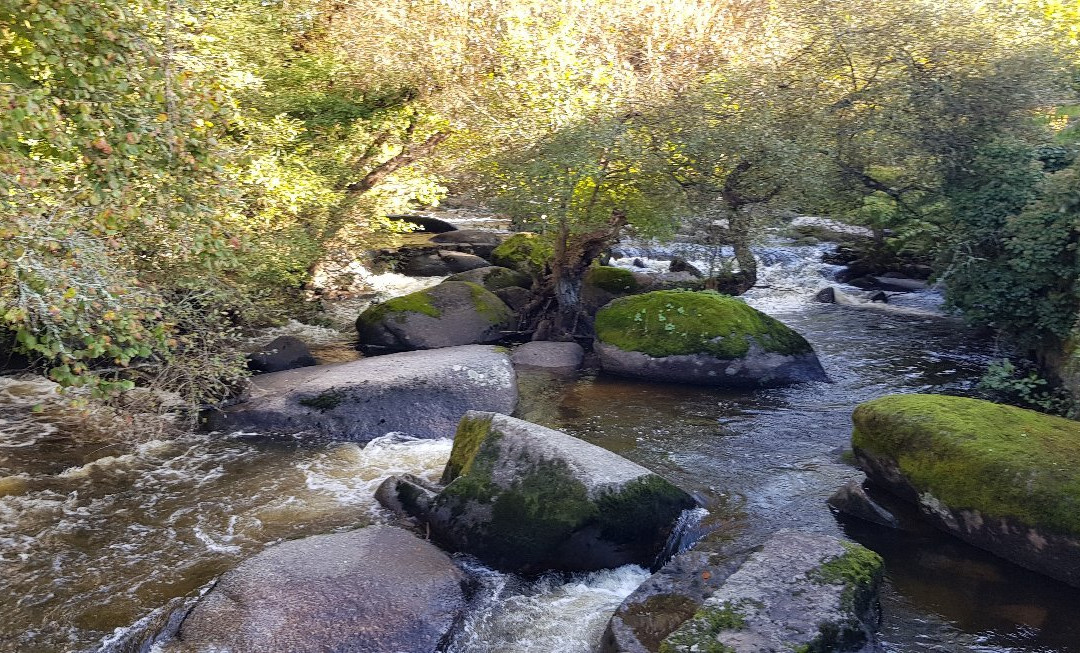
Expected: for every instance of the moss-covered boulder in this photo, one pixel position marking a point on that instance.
(701, 337)
(449, 314)
(494, 278)
(800, 592)
(526, 498)
(525, 252)
(1002, 478)
(604, 283)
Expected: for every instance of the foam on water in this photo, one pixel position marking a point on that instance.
(546, 615)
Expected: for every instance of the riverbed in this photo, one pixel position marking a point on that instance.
(100, 543)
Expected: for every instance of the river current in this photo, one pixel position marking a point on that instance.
(100, 543)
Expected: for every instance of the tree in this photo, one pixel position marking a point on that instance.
(580, 188)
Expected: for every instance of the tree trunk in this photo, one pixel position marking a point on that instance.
(574, 253)
(408, 155)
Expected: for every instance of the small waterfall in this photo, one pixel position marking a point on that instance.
(687, 531)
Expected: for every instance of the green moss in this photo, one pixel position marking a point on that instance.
(642, 510)
(488, 305)
(859, 570)
(494, 278)
(700, 632)
(471, 432)
(325, 401)
(505, 278)
(529, 519)
(970, 454)
(524, 252)
(611, 279)
(674, 322)
(538, 513)
(417, 302)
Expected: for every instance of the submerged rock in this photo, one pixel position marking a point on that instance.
(420, 393)
(551, 355)
(1002, 478)
(378, 589)
(701, 337)
(282, 353)
(451, 313)
(826, 295)
(852, 500)
(800, 592)
(526, 498)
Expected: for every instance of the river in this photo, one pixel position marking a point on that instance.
(100, 543)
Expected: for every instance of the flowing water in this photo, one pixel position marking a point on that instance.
(100, 543)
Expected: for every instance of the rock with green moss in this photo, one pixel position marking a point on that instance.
(604, 283)
(494, 278)
(525, 252)
(800, 592)
(1002, 478)
(449, 314)
(526, 498)
(701, 337)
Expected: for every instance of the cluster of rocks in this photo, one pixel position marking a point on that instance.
(870, 267)
(644, 328)
(520, 497)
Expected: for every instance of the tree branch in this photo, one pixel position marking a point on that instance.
(407, 156)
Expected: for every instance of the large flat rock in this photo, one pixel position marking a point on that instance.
(377, 590)
(421, 393)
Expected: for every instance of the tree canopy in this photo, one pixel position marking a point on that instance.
(172, 171)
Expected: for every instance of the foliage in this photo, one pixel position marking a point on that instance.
(1014, 263)
(175, 171)
(1006, 383)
